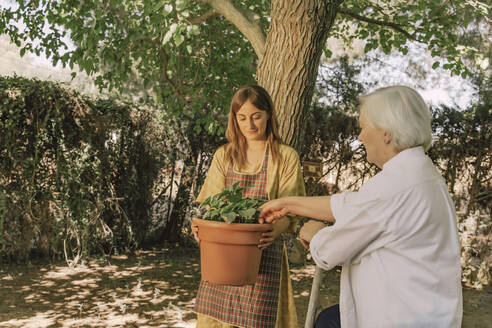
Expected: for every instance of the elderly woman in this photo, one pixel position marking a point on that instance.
(396, 237)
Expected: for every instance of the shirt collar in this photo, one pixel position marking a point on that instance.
(405, 156)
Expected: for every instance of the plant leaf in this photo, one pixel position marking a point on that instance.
(229, 217)
(247, 213)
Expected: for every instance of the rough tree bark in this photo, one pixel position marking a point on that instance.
(288, 60)
(288, 70)
(289, 55)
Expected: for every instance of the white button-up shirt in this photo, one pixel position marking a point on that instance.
(397, 242)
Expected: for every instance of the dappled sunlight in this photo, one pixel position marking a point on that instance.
(47, 283)
(28, 288)
(107, 268)
(38, 320)
(302, 272)
(7, 277)
(143, 291)
(62, 272)
(115, 320)
(302, 280)
(304, 293)
(86, 282)
(151, 289)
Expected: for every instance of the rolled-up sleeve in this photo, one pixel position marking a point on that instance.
(355, 232)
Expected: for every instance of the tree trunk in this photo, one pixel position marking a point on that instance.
(170, 200)
(288, 70)
(172, 231)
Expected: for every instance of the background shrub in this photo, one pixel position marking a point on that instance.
(76, 175)
(80, 176)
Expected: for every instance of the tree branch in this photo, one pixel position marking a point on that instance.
(394, 26)
(246, 21)
(200, 19)
(167, 80)
(178, 91)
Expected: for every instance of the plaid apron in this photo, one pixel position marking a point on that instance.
(251, 306)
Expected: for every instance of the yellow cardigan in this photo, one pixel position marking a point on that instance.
(284, 178)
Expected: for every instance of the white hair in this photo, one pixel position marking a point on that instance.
(400, 111)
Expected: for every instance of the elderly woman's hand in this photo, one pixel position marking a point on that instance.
(272, 211)
(308, 230)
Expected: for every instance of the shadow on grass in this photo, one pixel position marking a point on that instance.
(151, 289)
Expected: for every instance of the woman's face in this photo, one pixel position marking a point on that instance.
(373, 140)
(252, 122)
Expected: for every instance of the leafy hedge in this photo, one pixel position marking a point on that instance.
(76, 175)
(81, 176)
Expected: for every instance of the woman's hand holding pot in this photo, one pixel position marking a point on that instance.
(194, 229)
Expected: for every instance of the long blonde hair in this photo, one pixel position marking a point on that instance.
(236, 148)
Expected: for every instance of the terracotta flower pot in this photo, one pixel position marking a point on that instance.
(229, 252)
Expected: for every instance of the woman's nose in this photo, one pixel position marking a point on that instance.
(252, 124)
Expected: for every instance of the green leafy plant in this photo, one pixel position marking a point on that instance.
(230, 206)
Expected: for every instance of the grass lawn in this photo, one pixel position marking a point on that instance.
(149, 289)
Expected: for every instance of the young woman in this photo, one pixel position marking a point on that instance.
(266, 169)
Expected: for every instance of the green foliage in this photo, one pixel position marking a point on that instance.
(76, 175)
(230, 206)
(462, 148)
(461, 145)
(461, 152)
(390, 24)
(3, 209)
(476, 249)
(188, 67)
(332, 129)
(194, 64)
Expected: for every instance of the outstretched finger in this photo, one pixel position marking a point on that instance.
(273, 216)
